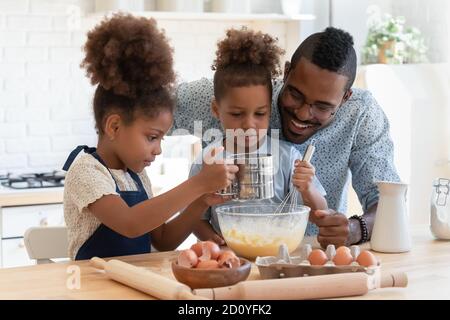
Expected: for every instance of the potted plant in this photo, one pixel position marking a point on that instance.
(389, 41)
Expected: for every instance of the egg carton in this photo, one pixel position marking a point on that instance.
(285, 266)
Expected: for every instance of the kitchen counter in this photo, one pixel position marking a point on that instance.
(28, 197)
(25, 197)
(427, 266)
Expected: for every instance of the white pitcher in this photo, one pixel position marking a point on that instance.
(391, 228)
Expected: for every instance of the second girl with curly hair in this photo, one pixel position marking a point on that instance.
(246, 63)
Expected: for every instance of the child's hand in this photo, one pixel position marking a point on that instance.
(215, 174)
(213, 199)
(303, 176)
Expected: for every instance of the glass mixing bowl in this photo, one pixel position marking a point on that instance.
(256, 230)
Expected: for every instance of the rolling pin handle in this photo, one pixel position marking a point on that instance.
(186, 295)
(98, 263)
(395, 279)
(205, 293)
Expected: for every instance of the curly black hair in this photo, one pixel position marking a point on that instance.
(130, 61)
(245, 57)
(332, 50)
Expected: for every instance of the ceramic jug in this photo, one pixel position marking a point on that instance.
(391, 228)
(440, 209)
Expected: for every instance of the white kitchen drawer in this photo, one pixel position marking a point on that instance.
(14, 254)
(16, 220)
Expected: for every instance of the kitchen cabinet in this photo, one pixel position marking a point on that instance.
(14, 253)
(14, 221)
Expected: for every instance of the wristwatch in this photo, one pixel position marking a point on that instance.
(363, 226)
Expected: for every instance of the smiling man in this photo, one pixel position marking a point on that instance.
(315, 101)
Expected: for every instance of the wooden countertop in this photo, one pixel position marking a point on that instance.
(427, 266)
(29, 197)
(11, 198)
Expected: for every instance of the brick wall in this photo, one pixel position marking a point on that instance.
(45, 99)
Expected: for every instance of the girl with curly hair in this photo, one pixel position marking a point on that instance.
(108, 204)
(246, 63)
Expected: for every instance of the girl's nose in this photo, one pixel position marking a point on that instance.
(249, 123)
(158, 150)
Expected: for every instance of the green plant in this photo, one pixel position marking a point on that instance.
(389, 41)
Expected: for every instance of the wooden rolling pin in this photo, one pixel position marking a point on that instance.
(313, 287)
(145, 280)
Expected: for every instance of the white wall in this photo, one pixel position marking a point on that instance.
(416, 101)
(45, 98)
(431, 17)
(351, 16)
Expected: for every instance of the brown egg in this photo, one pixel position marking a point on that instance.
(187, 258)
(367, 259)
(197, 247)
(343, 249)
(228, 259)
(343, 256)
(208, 264)
(206, 250)
(317, 257)
(210, 251)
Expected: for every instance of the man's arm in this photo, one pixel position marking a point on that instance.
(194, 104)
(372, 154)
(354, 226)
(371, 160)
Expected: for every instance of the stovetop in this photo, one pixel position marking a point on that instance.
(33, 180)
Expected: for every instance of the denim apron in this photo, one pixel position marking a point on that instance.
(105, 242)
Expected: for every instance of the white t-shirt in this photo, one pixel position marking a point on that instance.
(87, 181)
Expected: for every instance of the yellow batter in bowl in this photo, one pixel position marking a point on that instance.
(255, 230)
(253, 245)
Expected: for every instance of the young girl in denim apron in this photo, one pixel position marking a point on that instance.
(108, 204)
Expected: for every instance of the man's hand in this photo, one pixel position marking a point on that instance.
(334, 227)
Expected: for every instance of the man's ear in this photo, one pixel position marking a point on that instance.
(215, 108)
(112, 125)
(347, 95)
(287, 68)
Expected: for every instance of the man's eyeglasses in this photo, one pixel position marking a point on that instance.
(318, 110)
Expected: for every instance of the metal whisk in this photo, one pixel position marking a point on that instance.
(290, 201)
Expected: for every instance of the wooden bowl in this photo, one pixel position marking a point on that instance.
(211, 278)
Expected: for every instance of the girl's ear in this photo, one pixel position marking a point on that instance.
(112, 125)
(215, 108)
